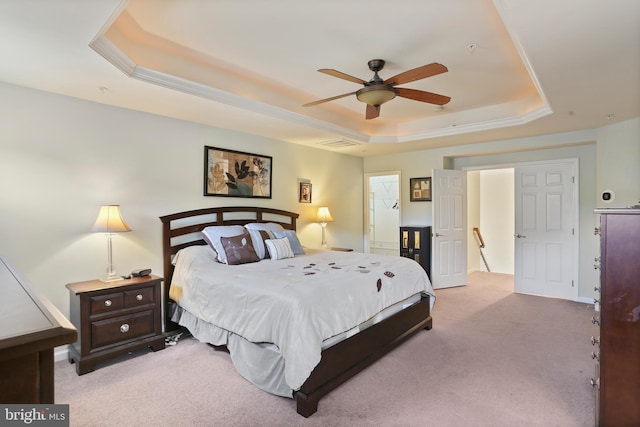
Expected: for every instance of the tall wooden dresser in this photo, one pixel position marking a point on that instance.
(415, 243)
(617, 383)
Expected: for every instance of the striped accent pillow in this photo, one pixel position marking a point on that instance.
(279, 248)
(259, 237)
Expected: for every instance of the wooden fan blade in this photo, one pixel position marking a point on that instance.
(372, 112)
(417, 74)
(342, 75)
(422, 96)
(311, 104)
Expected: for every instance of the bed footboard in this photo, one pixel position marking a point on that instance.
(345, 359)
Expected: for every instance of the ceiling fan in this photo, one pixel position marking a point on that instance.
(377, 91)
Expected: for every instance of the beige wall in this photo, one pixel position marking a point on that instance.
(61, 158)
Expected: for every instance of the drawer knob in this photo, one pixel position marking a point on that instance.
(597, 289)
(139, 297)
(124, 328)
(595, 320)
(595, 383)
(108, 303)
(595, 340)
(595, 356)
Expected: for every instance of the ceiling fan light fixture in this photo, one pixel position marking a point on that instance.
(376, 94)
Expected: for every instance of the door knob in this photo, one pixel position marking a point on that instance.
(439, 235)
(519, 236)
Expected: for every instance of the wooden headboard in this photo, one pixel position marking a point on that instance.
(182, 229)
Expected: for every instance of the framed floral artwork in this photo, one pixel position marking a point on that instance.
(231, 173)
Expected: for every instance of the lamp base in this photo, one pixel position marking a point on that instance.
(324, 241)
(110, 279)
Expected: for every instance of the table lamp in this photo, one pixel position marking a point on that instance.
(109, 222)
(323, 217)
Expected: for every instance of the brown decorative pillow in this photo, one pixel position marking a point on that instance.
(239, 249)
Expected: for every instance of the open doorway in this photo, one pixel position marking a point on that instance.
(527, 216)
(491, 210)
(382, 213)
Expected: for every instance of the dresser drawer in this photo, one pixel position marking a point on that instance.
(106, 303)
(122, 328)
(138, 297)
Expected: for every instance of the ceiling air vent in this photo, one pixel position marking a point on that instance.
(338, 143)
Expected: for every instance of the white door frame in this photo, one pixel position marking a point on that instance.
(366, 242)
(576, 207)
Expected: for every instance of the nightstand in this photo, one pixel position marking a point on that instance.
(114, 318)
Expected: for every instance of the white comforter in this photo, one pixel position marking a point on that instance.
(294, 303)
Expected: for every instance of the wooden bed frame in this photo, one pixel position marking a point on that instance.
(339, 362)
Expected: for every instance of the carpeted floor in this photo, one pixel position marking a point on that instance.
(493, 358)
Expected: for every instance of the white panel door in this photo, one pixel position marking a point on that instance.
(545, 230)
(449, 240)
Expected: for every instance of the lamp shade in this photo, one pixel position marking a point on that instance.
(376, 94)
(109, 220)
(324, 215)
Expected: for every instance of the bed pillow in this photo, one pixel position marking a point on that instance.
(258, 238)
(293, 240)
(239, 249)
(279, 248)
(269, 226)
(212, 235)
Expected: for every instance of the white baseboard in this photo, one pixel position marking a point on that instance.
(60, 353)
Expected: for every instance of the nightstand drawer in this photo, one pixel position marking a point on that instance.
(122, 328)
(106, 303)
(138, 297)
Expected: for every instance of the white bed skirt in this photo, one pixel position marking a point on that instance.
(261, 363)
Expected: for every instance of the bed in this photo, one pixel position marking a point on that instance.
(294, 357)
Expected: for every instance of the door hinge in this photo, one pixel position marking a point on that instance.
(573, 231)
(573, 179)
(572, 283)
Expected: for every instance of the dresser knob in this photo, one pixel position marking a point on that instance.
(595, 320)
(139, 297)
(595, 383)
(595, 356)
(595, 340)
(108, 303)
(124, 328)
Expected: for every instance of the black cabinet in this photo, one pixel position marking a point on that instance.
(415, 243)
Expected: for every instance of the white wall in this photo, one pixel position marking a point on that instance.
(61, 158)
(618, 163)
(474, 261)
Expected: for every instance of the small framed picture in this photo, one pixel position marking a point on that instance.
(305, 192)
(420, 189)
